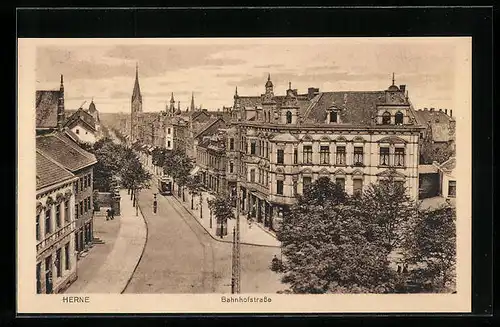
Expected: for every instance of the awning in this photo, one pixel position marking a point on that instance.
(194, 171)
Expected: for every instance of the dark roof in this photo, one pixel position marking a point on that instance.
(449, 164)
(211, 127)
(92, 107)
(62, 149)
(46, 108)
(49, 172)
(250, 101)
(83, 116)
(356, 107)
(438, 121)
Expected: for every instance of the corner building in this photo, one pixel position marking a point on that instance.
(280, 144)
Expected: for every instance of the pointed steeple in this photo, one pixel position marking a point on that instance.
(172, 98)
(192, 101)
(62, 82)
(136, 94)
(393, 79)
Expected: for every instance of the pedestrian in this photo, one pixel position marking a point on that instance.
(405, 268)
(108, 214)
(399, 269)
(112, 212)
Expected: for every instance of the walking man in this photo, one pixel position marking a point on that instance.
(112, 212)
(108, 214)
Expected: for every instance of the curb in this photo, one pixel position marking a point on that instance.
(216, 239)
(142, 252)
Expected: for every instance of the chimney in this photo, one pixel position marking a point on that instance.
(402, 88)
(440, 110)
(311, 92)
(445, 111)
(451, 113)
(425, 109)
(60, 107)
(432, 109)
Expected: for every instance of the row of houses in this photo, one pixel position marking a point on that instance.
(64, 189)
(269, 147)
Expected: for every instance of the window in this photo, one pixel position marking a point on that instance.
(168, 130)
(48, 225)
(77, 131)
(252, 147)
(340, 159)
(58, 216)
(76, 187)
(358, 155)
(267, 178)
(81, 208)
(231, 144)
(307, 154)
(306, 181)
(357, 186)
(168, 144)
(38, 227)
(294, 188)
(288, 117)
(76, 211)
(58, 263)
(81, 183)
(267, 149)
(38, 276)
(341, 182)
(279, 187)
(252, 175)
(280, 156)
(452, 189)
(384, 156)
(399, 157)
(324, 154)
(333, 117)
(231, 167)
(398, 118)
(66, 256)
(295, 156)
(386, 118)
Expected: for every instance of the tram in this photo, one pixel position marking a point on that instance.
(165, 185)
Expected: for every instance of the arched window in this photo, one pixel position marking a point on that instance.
(288, 117)
(398, 118)
(386, 118)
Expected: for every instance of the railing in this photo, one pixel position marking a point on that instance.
(54, 237)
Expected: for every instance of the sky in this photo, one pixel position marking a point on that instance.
(104, 70)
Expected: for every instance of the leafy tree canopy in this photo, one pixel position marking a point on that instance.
(221, 208)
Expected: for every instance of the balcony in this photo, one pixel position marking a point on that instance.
(54, 237)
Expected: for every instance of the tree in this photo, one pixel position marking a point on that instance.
(385, 208)
(326, 248)
(178, 165)
(221, 209)
(133, 175)
(431, 244)
(439, 152)
(195, 187)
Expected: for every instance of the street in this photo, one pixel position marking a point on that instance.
(181, 257)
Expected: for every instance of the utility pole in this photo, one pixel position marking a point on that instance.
(237, 270)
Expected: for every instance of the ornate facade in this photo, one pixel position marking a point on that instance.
(280, 144)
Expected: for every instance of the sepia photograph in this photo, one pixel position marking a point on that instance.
(251, 170)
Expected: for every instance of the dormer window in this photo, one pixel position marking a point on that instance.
(288, 117)
(333, 116)
(386, 118)
(398, 118)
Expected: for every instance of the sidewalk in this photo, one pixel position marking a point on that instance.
(112, 274)
(251, 234)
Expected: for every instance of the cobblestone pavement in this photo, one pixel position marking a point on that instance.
(181, 257)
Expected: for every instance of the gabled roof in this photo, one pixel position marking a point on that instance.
(449, 165)
(83, 117)
(284, 137)
(210, 127)
(49, 172)
(250, 101)
(356, 107)
(438, 121)
(46, 108)
(60, 148)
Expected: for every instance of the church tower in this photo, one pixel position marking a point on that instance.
(269, 106)
(172, 104)
(60, 106)
(192, 103)
(136, 105)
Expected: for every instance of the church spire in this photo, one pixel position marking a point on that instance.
(192, 101)
(393, 79)
(136, 94)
